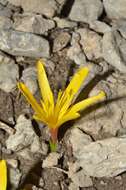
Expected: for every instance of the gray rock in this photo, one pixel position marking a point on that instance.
(115, 9)
(45, 7)
(107, 119)
(8, 73)
(122, 48)
(23, 137)
(105, 158)
(99, 26)
(120, 25)
(77, 175)
(6, 128)
(75, 52)
(36, 188)
(26, 155)
(41, 182)
(72, 186)
(32, 23)
(81, 180)
(29, 77)
(61, 1)
(3, 2)
(86, 10)
(120, 91)
(5, 11)
(12, 162)
(78, 139)
(15, 176)
(5, 22)
(91, 43)
(111, 51)
(51, 160)
(23, 44)
(64, 23)
(61, 41)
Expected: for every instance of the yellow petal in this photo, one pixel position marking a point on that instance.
(87, 102)
(65, 106)
(72, 90)
(30, 98)
(39, 118)
(46, 92)
(67, 117)
(77, 81)
(3, 175)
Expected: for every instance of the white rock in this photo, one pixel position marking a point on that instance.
(86, 10)
(8, 73)
(51, 160)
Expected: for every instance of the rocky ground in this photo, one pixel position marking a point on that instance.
(67, 34)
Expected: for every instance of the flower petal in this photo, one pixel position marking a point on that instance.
(87, 102)
(3, 175)
(72, 90)
(69, 116)
(77, 81)
(40, 118)
(31, 100)
(46, 92)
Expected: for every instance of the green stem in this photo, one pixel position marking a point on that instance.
(53, 146)
(53, 141)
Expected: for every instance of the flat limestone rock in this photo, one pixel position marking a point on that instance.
(100, 27)
(105, 158)
(91, 43)
(112, 46)
(23, 44)
(29, 77)
(86, 10)
(45, 7)
(9, 73)
(32, 23)
(115, 9)
(23, 137)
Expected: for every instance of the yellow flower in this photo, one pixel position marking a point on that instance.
(3, 175)
(52, 113)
